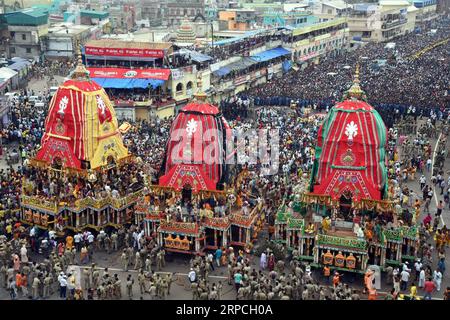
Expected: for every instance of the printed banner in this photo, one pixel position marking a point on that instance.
(123, 73)
(124, 52)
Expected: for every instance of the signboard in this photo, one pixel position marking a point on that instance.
(123, 73)
(242, 79)
(124, 52)
(317, 26)
(309, 56)
(177, 74)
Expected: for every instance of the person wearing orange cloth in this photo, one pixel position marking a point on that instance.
(336, 279)
(18, 281)
(69, 242)
(368, 278)
(372, 294)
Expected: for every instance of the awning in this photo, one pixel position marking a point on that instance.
(222, 72)
(270, 54)
(19, 65)
(241, 64)
(128, 83)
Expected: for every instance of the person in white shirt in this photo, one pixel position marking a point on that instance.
(418, 267)
(90, 238)
(406, 267)
(192, 276)
(77, 240)
(62, 279)
(404, 280)
(422, 278)
(437, 278)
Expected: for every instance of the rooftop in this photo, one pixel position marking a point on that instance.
(394, 3)
(27, 17)
(120, 44)
(337, 4)
(94, 14)
(64, 28)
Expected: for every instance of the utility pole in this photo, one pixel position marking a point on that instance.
(212, 38)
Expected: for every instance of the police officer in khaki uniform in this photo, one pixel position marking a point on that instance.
(141, 280)
(3, 276)
(47, 286)
(87, 278)
(115, 241)
(130, 282)
(117, 287)
(164, 287)
(35, 287)
(125, 260)
(95, 279)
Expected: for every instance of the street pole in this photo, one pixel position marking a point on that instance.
(212, 38)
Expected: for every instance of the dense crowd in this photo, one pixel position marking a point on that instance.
(405, 80)
(36, 260)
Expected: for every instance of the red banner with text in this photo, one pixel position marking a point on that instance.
(124, 52)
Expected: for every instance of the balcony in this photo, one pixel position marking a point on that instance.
(393, 24)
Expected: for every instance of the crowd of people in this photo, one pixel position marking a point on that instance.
(36, 263)
(404, 81)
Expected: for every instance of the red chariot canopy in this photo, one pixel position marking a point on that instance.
(124, 73)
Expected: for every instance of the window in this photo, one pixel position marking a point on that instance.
(24, 36)
(12, 33)
(189, 85)
(12, 50)
(28, 50)
(179, 88)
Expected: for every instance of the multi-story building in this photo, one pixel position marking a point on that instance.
(380, 21)
(312, 42)
(152, 11)
(63, 39)
(25, 29)
(331, 9)
(175, 11)
(427, 10)
(443, 6)
(237, 19)
(282, 19)
(122, 19)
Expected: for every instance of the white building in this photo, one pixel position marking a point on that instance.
(380, 21)
(331, 9)
(62, 40)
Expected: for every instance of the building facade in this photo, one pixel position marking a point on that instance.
(174, 11)
(237, 19)
(379, 22)
(26, 28)
(427, 10)
(311, 43)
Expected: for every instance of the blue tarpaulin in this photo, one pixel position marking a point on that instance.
(222, 71)
(287, 65)
(128, 83)
(19, 64)
(270, 54)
